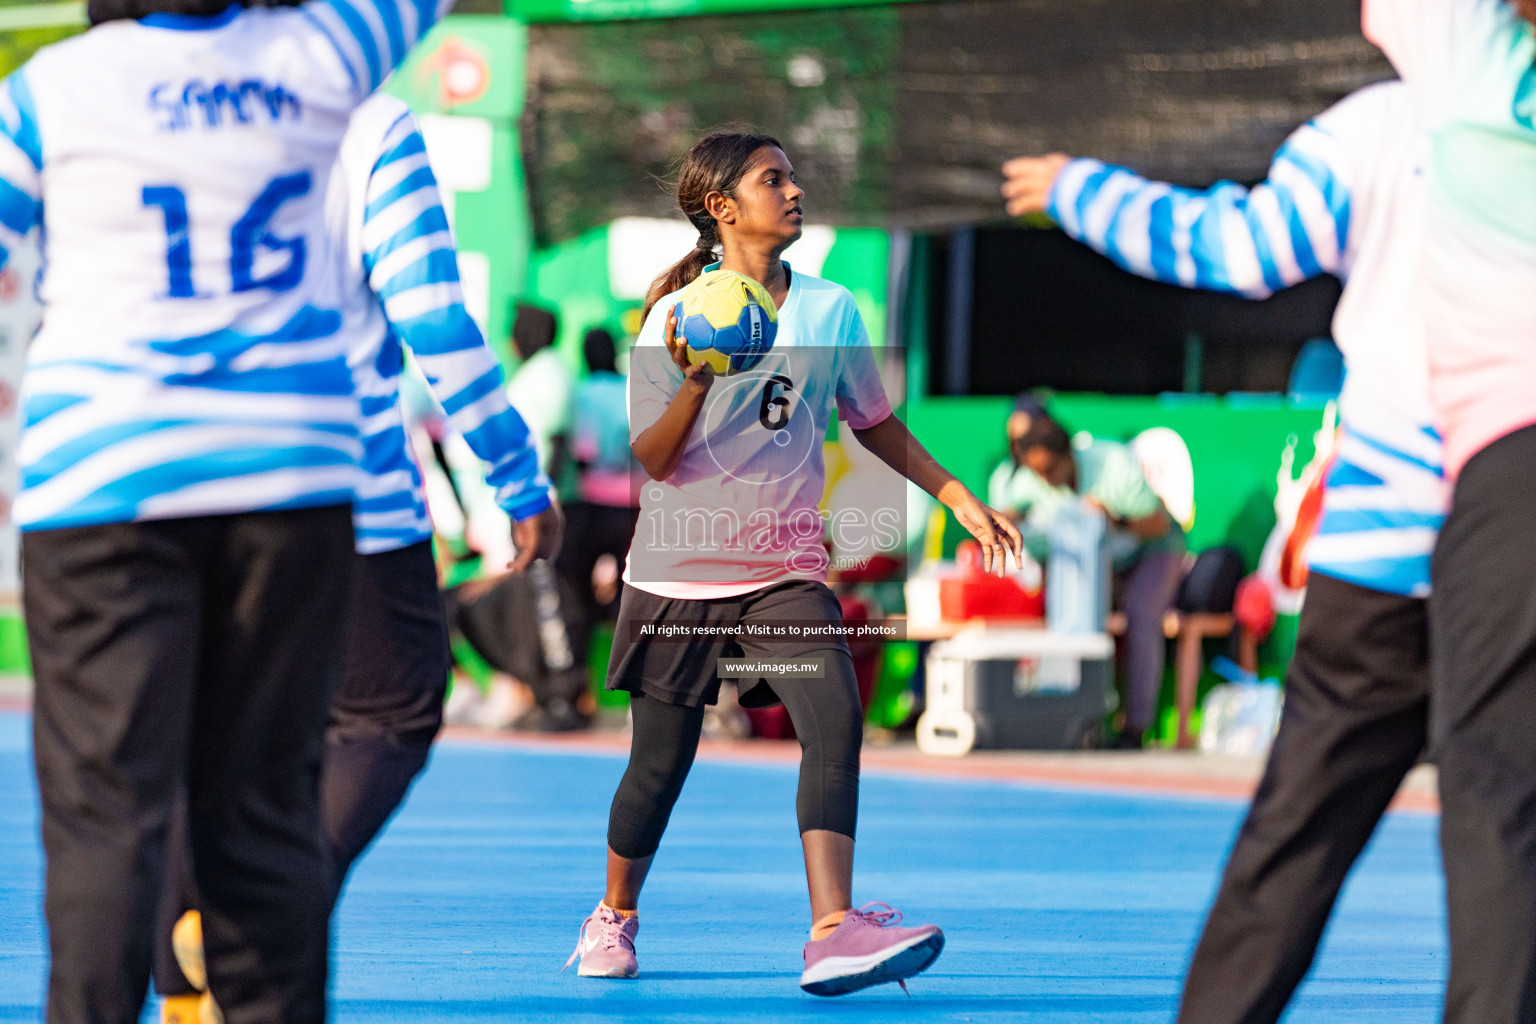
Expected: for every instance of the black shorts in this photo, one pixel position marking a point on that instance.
(683, 672)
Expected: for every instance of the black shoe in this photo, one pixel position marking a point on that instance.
(557, 716)
(1129, 739)
(563, 716)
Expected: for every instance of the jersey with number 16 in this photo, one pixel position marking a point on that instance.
(189, 362)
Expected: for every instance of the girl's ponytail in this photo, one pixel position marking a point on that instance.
(714, 164)
(677, 275)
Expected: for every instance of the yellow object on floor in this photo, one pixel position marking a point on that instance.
(187, 944)
(194, 1009)
(180, 1009)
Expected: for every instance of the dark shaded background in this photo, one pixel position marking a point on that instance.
(612, 108)
(900, 115)
(1190, 91)
(1047, 311)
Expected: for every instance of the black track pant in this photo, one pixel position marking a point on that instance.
(1483, 732)
(383, 720)
(828, 719)
(592, 531)
(198, 653)
(1356, 707)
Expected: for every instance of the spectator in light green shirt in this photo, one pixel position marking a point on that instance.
(1046, 470)
(542, 384)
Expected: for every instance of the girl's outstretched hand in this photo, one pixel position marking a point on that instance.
(693, 373)
(995, 531)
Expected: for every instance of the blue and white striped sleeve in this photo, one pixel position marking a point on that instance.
(409, 256)
(21, 165)
(373, 37)
(1252, 242)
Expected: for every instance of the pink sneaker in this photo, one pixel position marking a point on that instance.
(868, 949)
(606, 945)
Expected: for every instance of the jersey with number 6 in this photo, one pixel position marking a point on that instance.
(189, 362)
(740, 511)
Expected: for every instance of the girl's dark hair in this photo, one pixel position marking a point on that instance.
(714, 164)
(1046, 433)
(533, 328)
(600, 351)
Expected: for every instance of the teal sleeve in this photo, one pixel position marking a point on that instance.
(1122, 488)
(1037, 543)
(997, 487)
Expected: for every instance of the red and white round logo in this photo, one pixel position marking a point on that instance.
(463, 74)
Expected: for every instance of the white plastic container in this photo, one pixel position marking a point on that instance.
(1015, 689)
(1077, 577)
(1240, 719)
(922, 595)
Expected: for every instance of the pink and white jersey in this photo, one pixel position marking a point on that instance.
(1470, 63)
(740, 513)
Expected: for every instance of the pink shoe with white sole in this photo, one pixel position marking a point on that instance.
(868, 949)
(606, 945)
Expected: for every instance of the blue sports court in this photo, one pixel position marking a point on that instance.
(1061, 906)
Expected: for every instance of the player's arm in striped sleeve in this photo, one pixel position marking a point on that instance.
(412, 267)
(21, 165)
(1251, 242)
(373, 37)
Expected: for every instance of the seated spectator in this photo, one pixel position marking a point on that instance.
(502, 621)
(1027, 407)
(1047, 469)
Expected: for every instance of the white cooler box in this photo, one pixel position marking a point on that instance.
(1016, 689)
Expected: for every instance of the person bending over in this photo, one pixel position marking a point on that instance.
(1146, 545)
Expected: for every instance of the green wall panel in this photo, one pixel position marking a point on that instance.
(860, 261)
(494, 222)
(13, 646)
(572, 278)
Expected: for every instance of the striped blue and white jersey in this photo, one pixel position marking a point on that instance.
(401, 279)
(190, 361)
(1344, 196)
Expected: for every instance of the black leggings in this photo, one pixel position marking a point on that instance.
(828, 719)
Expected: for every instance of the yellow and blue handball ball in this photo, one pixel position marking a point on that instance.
(728, 322)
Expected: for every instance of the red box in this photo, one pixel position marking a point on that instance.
(975, 595)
